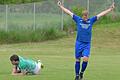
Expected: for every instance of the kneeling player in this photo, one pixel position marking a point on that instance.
(24, 66)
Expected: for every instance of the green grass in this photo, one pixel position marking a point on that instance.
(58, 56)
(24, 35)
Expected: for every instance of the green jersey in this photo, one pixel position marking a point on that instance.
(26, 65)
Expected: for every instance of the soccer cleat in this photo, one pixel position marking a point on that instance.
(77, 78)
(81, 76)
(42, 66)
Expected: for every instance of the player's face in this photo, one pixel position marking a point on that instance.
(85, 17)
(15, 62)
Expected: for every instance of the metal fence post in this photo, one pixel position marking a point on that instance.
(34, 17)
(62, 20)
(88, 5)
(6, 18)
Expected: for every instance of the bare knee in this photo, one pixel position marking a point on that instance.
(85, 59)
(77, 60)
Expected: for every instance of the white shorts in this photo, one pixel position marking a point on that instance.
(38, 68)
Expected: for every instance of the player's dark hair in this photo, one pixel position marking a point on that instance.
(14, 58)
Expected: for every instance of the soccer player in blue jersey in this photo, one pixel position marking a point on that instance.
(24, 66)
(83, 40)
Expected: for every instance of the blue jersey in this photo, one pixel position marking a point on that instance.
(84, 28)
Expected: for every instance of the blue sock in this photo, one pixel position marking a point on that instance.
(77, 68)
(84, 66)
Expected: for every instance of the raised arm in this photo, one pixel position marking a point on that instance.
(106, 11)
(64, 9)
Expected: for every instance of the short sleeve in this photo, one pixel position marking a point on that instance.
(76, 18)
(94, 19)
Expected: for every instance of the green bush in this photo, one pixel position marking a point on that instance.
(29, 35)
(77, 10)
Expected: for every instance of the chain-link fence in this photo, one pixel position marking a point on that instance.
(46, 13)
(30, 16)
(93, 6)
(96, 6)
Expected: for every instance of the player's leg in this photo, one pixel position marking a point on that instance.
(84, 66)
(40, 64)
(77, 62)
(38, 68)
(77, 68)
(86, 54)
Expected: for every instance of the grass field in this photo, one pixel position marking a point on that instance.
(58, 56)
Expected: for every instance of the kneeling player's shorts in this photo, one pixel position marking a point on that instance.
(82, 49)
(38, 68)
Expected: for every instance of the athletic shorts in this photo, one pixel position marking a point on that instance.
(82, 49)
(37, 69)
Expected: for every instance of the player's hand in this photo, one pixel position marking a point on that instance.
(112, 6)
(59, 3)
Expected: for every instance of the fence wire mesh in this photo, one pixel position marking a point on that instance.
(46, 13)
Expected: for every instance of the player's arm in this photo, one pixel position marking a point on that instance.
(20, 74)
(14, 70)
(64, 9)
(106, 11)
